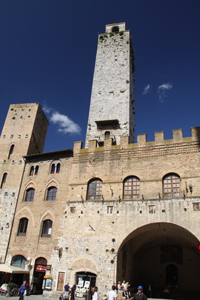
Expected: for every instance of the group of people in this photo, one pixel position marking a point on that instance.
(124, 287)
(69, 292)
(112, 294)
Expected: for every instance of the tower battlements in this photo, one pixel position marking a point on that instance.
(159, 146)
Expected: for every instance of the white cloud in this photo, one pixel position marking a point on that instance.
(65, 124)
(163, 91)
(146, 89)
(47, 109)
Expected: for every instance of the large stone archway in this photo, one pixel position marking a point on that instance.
(148, 253)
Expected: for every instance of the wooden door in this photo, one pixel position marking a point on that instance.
(61, 278)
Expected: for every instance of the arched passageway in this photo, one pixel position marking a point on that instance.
(160, 255)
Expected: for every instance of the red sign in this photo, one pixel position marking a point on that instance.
(40, 268)
(198, 247)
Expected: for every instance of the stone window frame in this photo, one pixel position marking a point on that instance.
(131, 187)
(94, 189)
(51, 193)
(46, 228)
(29, 194)
(55, 167)
(171, 185)
(22, 228)
(34, 170)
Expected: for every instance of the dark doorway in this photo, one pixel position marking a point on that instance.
(86, 276)
(155, 255)
(38, 276)
(171, 276)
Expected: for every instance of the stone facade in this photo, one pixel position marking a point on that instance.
(140, 238)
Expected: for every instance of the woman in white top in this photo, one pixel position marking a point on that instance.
(95, 295)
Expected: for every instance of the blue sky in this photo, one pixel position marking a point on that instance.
(47, 55)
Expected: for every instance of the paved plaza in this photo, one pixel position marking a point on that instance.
(40, 297)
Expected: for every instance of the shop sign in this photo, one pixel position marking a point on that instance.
(40, 268)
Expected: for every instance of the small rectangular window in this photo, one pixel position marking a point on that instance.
(152, 209)
(72, 210)
(109, 210)
(196, 206)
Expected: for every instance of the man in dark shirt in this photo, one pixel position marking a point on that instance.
(66, 291)
(139, 295)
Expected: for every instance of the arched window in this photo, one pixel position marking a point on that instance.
(107, 134)
(51, 193)
(36, 170)
(58, 168)
(31, 171)
(94, 189)
(11, 150)
(171, 185)
(30, 195)
(115, 28)
(3, 180)
(22, 227)
(53, 167)
(131, 188)
(46, 228)
(18, 261)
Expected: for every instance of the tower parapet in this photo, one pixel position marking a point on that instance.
(159, 146)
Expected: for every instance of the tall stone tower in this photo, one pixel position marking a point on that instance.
(112, 101)
(24, 133)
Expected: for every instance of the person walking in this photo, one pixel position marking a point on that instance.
(22, 290)
(112, 294)
(139, 295)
